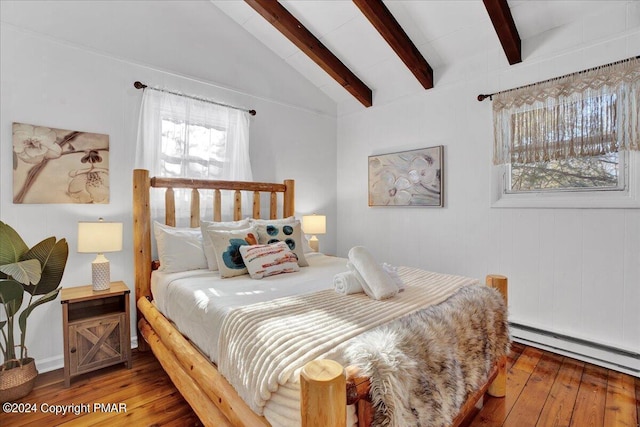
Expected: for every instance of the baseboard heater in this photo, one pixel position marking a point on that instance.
(595, 358)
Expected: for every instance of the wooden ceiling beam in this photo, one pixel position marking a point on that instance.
(383, 21)
(278, 16)
(502, 20)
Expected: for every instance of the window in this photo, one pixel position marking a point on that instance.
(191, 149)
(180, 136)
(570, 141)
(592, 173)
(578, 151)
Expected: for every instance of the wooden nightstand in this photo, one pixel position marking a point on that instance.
(96, 329)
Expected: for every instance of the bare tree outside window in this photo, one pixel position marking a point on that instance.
(189, 149)
(583, 173)
(578, 152)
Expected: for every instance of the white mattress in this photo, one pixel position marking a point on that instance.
(197, 301)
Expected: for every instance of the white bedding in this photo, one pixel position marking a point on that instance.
(197, 301)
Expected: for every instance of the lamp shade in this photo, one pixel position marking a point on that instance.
(99, 237)
(314, 224)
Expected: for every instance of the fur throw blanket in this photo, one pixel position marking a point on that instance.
(423, 366)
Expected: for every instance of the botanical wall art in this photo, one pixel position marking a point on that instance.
(407, 178)
(59, 165)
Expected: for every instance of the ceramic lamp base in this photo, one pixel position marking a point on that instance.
(314, 243)
(100, 273)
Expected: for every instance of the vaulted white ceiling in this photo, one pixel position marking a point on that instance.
(444, 31)
(227, 43)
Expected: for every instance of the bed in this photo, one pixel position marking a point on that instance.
(325, 386)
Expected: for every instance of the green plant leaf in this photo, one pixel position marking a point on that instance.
(53, 259)
(11, 294)
(22, 320)
(12, 247)
(26, 272)
(2, 323)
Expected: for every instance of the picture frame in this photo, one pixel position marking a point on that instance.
(52, 165)
(407, 178)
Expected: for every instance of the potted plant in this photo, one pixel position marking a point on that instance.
(35, 271)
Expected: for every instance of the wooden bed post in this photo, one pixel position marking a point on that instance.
(323, 397)
(498, 387)
(141, 242)
(288, 208)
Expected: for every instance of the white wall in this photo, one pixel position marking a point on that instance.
(574, 271)
(63, 84)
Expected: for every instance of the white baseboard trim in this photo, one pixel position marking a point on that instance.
(50, 364)
(621, 361)
(57, 362)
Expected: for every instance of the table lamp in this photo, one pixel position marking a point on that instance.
(314, 224)
(100, 237)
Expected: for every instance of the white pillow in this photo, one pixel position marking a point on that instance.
(268, 260)
(226, 244)
(179, 249)
(287, 220)
(289, 232)
(209, 252)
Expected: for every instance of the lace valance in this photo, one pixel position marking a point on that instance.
(583, 114)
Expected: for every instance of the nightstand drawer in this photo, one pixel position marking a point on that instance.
(97, 343)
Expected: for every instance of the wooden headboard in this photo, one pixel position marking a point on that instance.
(142, 185)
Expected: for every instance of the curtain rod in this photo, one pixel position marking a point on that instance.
(482, 97)
(139, 85)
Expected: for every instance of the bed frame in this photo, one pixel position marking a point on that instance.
(326, 387)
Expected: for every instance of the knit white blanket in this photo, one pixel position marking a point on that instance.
(262, 345)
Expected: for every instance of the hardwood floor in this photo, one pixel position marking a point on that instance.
(548, 390)
(543, 390)
(149, 395)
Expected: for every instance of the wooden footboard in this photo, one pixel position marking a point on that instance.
(326, 388)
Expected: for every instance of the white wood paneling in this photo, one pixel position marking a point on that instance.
(548, 253)
(602, 274)
(631, 298)
(567, 270)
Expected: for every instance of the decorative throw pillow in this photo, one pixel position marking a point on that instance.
(288, 220)
(268, 260)
(288, 232)
(226, 244)
(179, 249)
(209, 252)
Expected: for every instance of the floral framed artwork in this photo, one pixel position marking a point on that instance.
(407, 178)
(59, 165)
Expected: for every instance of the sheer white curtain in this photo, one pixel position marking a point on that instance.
(184, 137)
